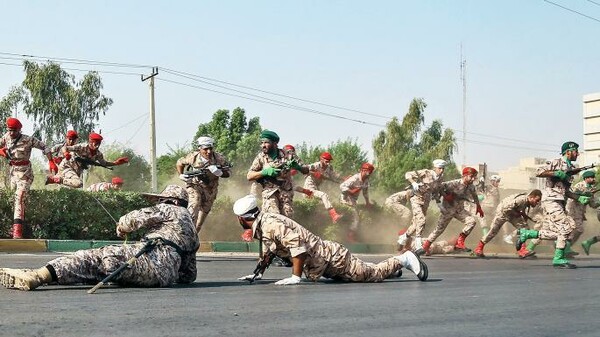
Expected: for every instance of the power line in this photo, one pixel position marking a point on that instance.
(82, 70)
(504, 145)
(78, 61)
(594, 2)
(572, 10)
(127, 123)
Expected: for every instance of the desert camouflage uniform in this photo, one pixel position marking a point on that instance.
(576, 210)
(313, 183)
(509, 210)
(102, 187)
(286, 238)
(202, 191)
(278, 192)
(489, 204)
(555, 224)
(21, 174)
(397, 201)
(350, 199)
(462, 193)
(429, 184)
(160, 267)
(71, 171)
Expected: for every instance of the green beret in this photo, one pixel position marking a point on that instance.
(568, 146)
(270, 135)
(588, 174)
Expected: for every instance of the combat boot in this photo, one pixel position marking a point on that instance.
(479, 249)
(335, 217)
(424, 249)
(569, 253)
(460, 243)
(524, 252)
(25, 279)
(587, 244)
(559, 260)
(523, 235)
(412, 262)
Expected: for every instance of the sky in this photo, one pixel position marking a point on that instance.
(528, 64)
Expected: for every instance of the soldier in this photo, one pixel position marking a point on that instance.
(576, 210)
(312, 255)
(351, 188)
(512, 209)
(203, 189)
(397, 203)
(424, 184)
(77, 158)
(16, 147)
(57, 150)
(556, 224)
(489, 197)
(454, 194)
(172, 260)
(271, 169)
(319, 172)
(115, 185)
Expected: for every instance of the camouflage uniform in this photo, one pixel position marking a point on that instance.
(429, 184)
(160, 267)
(21, 174)
(313, 183)
(102, 187)
(397, 201)
(71, 171)
(576, 210)
(350, 199)
(277, 193)
(489, 204)
(462, 193)
(286, 238)
(509, 210)
(202, 191)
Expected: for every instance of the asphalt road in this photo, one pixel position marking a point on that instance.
(500, 296)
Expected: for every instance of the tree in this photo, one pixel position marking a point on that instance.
(403, 147)
(54, 100)
(136, 173)
(166, 164)
(347, 155)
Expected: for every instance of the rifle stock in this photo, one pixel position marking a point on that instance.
(262, 265)
(86, 162)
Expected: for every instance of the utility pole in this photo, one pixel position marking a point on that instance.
(154, 184)
(463, 79)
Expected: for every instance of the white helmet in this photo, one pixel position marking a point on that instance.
(495, 177)
(205, 142)
(439, 163)
(246, 207)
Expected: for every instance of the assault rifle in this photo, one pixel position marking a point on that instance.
(587, 194)
(525, 216)
(201, 173)
(86, 163)
(262, 265)
(576, 170)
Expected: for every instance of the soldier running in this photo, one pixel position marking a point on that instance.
(171, 260)
(57, 150)
(397, 203)
(318, 173)
(202, 189)
(575, 209)
(16, 147)
(311, 255)
(351, 188)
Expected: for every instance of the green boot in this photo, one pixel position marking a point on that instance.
(559, 260)
(523, 235)
(587, 244)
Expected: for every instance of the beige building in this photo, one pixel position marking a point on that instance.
(591, 129)
(522, 177)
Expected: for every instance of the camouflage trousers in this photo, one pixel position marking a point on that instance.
(402, 211)
(200, 199)
(70, 178)
(499, 221)
(350, 200)
(279, 202)
(21, 178)
(356, 270)
(156, 268)
(556, 224)
(310, 185)
(458, 212)
(578, 230)
(419, 206)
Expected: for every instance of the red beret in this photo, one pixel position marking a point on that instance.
(469, 171)
(95, 136)
(326, 156)
(13, 123)
(117, 181)
(367, 166)
(72, 134)
(289, 147)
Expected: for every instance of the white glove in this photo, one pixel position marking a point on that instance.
(215, 170)
(249, 277)
(290, 280)
(415, 186)
(185, 178)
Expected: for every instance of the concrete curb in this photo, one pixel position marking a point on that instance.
(39, 245)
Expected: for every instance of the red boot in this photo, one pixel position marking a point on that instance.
(334, 215)
(460, 243)
(479, 249)
(17, 231)
(524, 252)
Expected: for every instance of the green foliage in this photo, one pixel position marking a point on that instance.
(347, 155)
(403, 147)
(53, 99)
(166, 164)
(135, 174)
